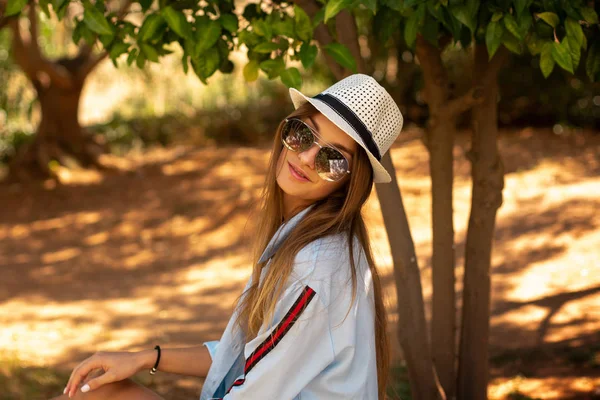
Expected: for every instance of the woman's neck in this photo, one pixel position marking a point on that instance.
(292, 206)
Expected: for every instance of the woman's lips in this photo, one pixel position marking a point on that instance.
(297, 174)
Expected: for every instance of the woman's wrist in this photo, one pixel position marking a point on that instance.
(146, 358)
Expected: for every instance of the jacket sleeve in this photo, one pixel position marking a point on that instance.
(212, 348)
(288, 353)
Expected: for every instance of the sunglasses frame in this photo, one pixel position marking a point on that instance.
(315, 137)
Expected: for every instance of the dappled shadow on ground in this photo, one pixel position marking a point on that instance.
(159, 252)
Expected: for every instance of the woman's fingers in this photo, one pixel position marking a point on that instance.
(79, 374)
(95, 383)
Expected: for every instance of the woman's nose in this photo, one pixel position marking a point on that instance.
(308, 156)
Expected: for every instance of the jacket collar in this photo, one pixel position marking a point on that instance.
(282, 233)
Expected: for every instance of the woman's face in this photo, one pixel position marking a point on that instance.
(306, 191)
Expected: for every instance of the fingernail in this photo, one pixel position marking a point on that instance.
(65, 390)
(85, 388)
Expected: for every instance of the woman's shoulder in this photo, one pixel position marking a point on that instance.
(326, 261)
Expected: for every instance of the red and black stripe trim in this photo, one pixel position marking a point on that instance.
(278, 333)
(237, 382)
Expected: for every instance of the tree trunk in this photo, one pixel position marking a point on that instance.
(412, 327)
(59, 135)
(488, 181)
(443, 315)
(58, 84)
(439, 139)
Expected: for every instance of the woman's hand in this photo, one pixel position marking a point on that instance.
(116, 366)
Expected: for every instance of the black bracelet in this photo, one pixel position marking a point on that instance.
(153, 370)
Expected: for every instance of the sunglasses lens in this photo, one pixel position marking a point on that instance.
(331, 164)
(296, 136)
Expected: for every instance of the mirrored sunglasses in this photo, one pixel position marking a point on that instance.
(330, 163)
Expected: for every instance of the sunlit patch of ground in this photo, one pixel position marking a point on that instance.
(159, 252)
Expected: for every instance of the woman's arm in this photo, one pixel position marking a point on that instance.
(193, 361)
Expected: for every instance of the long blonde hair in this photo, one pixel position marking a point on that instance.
(338, 212)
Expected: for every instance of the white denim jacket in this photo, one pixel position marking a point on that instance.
(318, 345)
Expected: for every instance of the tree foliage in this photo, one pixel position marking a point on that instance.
(557, 31)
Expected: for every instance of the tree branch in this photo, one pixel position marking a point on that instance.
(494, 65)
(3, 20)
(347, 33)
(465, 102)
(34, 31)
(322, 36)
(29, 57)
(91, 63)
(434, 73)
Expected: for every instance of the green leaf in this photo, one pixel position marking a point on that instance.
(550, 18)
(149, 51)
(574, 31)
(106, 40)
(592, 64)
(497, 16)
(303, 25)
(546, 60)
(560, 53)
(250, 39)
(226, 67)
(511, 25)
(95, 20)
(412, 25)
(385, 23)
(589, 14)
(229, 22)
(206, 65)
(466, 13)
(44, 7)
(266, 47)
(76, 36)
(493, 37)
(145, 4)
(223, 48)
(251, 71)
(178, 22)
(273, 67)
(521, 5)
(574, 50)
(396, 5)
(153, 24)
(430, 30)
(131, 57)
(525, 20)
(140, 61)
(285, 27)
(60, 8)
(291, 78)
(117, 49)
(333, 7)
(14, 7)
(86, 33)
(318, 18)
(308, 54)
(341, 55)
(208, 32)
(535, 44)
(262, 28)
(511, 43)
(371, 5)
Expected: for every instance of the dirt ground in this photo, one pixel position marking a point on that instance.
(158, 252)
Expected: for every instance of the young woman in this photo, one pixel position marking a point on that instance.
(310, 323)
